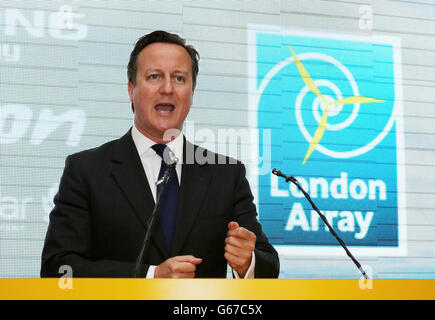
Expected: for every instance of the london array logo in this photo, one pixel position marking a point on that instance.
(333, 103)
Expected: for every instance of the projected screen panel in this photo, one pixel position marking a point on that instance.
(370, 168)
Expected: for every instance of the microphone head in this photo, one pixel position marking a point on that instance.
(169, 157)
(276, 172)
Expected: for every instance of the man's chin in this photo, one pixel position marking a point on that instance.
(169, 134)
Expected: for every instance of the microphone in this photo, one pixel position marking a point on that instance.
(296, 182)
(280, 174)
(171, 161)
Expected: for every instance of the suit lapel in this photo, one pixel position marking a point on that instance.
(195, 179)
(130, 176)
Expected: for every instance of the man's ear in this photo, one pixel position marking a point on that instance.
(130, 88)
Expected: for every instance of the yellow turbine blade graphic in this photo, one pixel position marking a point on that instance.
(306, 76)
(318, 134)
(354, 99)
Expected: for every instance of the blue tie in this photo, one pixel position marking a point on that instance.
(169, 198)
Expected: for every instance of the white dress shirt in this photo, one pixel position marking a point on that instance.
(151, 163)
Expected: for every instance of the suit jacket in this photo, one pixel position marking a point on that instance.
(104, 201)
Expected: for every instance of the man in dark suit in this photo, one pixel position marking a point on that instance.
(106, 195)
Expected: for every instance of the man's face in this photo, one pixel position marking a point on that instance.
(163, 92)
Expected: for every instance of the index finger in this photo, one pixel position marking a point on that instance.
(241, 232)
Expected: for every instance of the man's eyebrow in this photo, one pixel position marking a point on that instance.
(160, 70)
(182, 72)
(152, 70)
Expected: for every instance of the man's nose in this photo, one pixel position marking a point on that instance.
(166, 87)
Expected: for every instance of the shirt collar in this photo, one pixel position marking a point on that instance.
(144, 144)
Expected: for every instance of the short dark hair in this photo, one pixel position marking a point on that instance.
(160, 36)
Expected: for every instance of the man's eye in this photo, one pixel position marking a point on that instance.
(179, 78)
(153, 76)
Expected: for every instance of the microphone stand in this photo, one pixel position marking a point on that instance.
(163, 181)
(296, 182)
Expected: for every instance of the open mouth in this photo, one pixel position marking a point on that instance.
(164, 108)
